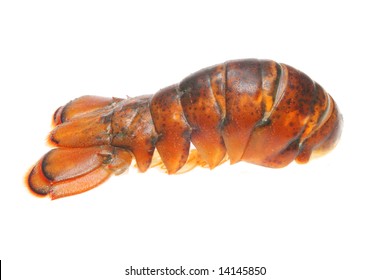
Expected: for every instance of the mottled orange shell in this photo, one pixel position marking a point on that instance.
(257, 111)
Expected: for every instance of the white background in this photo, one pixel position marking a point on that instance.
(328, 219)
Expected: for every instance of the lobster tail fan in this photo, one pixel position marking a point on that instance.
(68, 171)
(80, 106)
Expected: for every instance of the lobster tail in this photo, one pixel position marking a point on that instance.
(257, 111)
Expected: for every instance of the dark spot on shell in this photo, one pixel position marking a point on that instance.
(106, 119)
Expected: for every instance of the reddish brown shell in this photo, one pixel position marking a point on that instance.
(257, 111)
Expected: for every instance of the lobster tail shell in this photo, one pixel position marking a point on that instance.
(257, 111)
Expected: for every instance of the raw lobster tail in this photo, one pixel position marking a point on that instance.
(250, 110)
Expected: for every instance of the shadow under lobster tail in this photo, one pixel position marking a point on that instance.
(69, 171)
